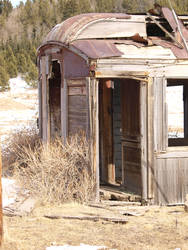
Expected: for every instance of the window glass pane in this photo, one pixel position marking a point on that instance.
(174, 98)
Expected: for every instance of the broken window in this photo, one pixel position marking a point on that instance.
(177, 99)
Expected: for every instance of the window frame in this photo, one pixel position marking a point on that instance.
(179, 142)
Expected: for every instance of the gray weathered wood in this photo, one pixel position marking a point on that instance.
(111, 28)
(40, 105)
(143, 130)
(44, 100)
(64, 112)
(160, 115)
(150, 139)
(171, 180)
(90, 218)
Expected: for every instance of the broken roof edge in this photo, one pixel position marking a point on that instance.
(79, 47)
(66, 30)
(45, 45)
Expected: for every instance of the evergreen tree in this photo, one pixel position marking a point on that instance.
(12, 69)
(4, 79)
(70, 8)
(31, 77)
(21, 63)
(2, 61)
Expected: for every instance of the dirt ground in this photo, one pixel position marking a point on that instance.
(158, 228)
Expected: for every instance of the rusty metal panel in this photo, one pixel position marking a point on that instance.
(97, 48)
(74, 65)
(171, 20)
(179, 53)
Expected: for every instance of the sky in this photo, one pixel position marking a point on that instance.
(16, 2)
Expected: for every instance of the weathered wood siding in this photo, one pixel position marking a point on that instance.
(44, 85)
(171, 180)
(171, 163)
(106, 131)
(117, 131)
(93, 122)
(131, 134)
(77, 105)
(160, 115)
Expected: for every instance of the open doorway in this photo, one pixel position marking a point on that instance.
(55, 100)
(120, 133)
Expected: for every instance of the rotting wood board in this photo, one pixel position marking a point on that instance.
(90, 218)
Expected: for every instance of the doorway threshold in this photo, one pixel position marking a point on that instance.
(117, 193)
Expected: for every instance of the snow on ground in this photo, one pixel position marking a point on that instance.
(81, 247)
(18, 107)
(10, 191)
(17, 85)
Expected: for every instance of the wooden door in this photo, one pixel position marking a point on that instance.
(107, 168)
(134, 163)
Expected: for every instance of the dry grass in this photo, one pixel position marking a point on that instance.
(16, 142)
(55, 172)
(160, 228)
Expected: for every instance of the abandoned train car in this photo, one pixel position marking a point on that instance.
(108, 75)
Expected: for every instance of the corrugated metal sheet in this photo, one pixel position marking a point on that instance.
(66, 31)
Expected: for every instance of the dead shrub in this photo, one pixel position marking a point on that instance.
(55, 172)
(15, 143)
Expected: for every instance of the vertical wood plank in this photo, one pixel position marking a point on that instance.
(143, 130)
(48, 98)
(171, 180)
(94, 110)
(64, 108)
(160, 115)
(150, 137)
(44, 100)
(97, 140)
(165, 116)
(40, 105)
(108, 168)
(88, 109)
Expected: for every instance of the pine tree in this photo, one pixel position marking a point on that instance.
(70, 8)
(31, 77)
(12, 69)
(4, 79)
(21, 63)
(2, 61)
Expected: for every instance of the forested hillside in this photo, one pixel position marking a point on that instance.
(23, 28)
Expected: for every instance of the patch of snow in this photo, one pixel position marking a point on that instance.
(81, 247)
(17, 85)
(18, 118)
(9, 191)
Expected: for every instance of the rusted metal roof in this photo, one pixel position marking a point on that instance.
(102, 48)
(68, 34)
(167, 13)
(66, 31)
(179, 53)
(97, 48)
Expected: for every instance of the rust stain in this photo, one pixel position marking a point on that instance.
(65, 35)
(66, 31)
(97, 48)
